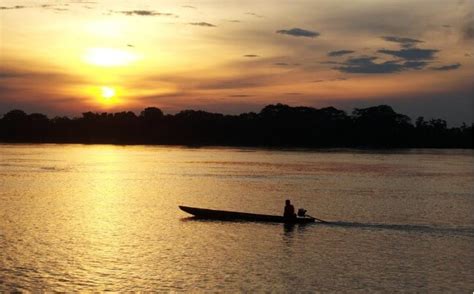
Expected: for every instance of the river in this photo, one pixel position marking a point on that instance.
(105, 217)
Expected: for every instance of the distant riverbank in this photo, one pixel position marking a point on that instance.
(277, 125)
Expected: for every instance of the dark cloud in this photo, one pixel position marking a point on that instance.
(240, 95)
(251, 55)
(297, 32)
(145, 13)
(340, 53)
(404, 42)
(330, 80)
(411, 53)
(415, 64)
(281, 64)
(409, 58)
(188, 6)
(447, 67)
(233, 20)
(12, 7)
(446, 26)
(202, 24)
(329, 62)
(292, 93)
(368, 66)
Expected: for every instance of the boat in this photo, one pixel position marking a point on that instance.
(203, 213)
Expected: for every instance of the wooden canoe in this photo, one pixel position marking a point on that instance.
(243, 216)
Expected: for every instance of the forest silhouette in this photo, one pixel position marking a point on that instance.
(274, 126)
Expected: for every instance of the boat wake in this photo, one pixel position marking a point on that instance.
(408, 228)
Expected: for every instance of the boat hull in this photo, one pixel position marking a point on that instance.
(242, 216)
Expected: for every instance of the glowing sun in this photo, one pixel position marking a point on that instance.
(107, 93)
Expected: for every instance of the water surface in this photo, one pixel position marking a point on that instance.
(102, 217)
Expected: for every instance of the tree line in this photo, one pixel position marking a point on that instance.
(276, 125)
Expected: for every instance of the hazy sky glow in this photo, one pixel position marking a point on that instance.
(66, 57)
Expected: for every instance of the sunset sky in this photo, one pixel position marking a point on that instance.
(67, 57)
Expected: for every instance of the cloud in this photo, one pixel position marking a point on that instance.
(415, 64)
(240, 95)
(411, 53)
(367, 65)
(55, 7)
(468, 28)
(202, 24)
(330, 80)
(329, 62)
(232, 83)
(26, 74)
(9, 74)
(145, 13)
(12, 7)
(242, 81)
(189, 6)
(408, 58)
(251, 55)
(83, 2)
(340, 53)
(404, 42)
(297, 32)
(254, 14)
(281, 64)
(447, 67)
(23, 86)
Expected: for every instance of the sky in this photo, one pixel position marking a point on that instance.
(68, 57)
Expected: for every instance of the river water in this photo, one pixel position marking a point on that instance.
(104, 217)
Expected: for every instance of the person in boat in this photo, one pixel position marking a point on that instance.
(289, 210)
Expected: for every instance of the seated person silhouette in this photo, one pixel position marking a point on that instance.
(289, 210)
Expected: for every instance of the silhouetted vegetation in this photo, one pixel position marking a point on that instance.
(274, 126)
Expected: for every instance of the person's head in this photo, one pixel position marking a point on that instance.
(287, 202)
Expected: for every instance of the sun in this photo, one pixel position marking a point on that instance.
(107, 93)
(108, 57)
